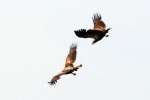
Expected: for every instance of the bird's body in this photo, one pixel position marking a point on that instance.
(69, 67)
(97, 33)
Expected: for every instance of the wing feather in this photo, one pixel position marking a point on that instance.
(82, 33)
(98, 23)
(71, 56)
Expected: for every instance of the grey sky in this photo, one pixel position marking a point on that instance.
(35, 36)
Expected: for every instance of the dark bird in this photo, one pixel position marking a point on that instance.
(97, 33)
(69, 67)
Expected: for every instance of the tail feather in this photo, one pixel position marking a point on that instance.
(81, 33)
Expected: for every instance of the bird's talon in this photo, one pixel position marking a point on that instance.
(106, 35)
(80, 65)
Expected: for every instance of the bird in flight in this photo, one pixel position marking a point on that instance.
(69, 66)
(97, 33)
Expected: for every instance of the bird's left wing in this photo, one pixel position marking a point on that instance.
(83, 33)
(98, 23)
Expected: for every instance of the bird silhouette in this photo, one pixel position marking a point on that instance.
(69, 67)
(97, 33)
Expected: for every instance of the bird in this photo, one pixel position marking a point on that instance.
(69, 67)
(97, 33)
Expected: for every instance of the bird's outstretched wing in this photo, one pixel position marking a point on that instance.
(83, 33)
(98, 23)
(71, 56)
(55, 78)
(63, 72)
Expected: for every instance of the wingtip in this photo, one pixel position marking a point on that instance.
(80, 32)
(97, 15)
(76, 32)
(73, 45)
(52, 82)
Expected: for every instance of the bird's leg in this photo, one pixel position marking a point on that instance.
(73, 74)
(76, 68)
(79, 66)
(106, 35)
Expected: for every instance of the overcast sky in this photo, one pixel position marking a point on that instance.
(35, 36)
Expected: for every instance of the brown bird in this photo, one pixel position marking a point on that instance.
(97, 33)
(69, 67)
